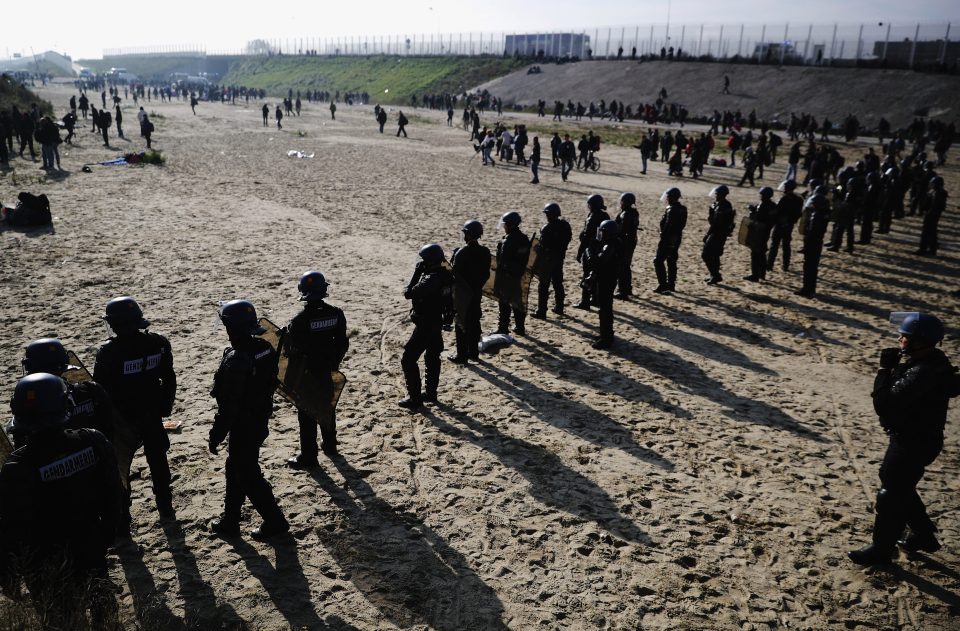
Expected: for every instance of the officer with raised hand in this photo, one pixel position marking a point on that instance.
(788, 212)
(762, 219)
(471, 269)
(135, 367)
(555, 237)
(628, 224)
(720, 218)
(319, 333)
(59, 510)
(672, 223)
(911, 398)
(431, 292)
(91, 406)
(243, 387)
(817, 208)
(603, 270)
(513, 252)
(596, 214)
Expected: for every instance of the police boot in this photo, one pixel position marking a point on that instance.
(225, 527)
(302, 463)
(872, 555)
(270, 529)
(917, 542)
(411, 403)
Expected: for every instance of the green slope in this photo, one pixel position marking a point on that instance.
(12, 93)
(402, 76)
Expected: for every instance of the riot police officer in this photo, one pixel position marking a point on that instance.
(135, 367)
(628, 223)
(243, 387)
(431, 292)
(555, 237)
(471, 269)
(721, 218)
(513, 252)
(672, 223)
(91, 406)
(596, 214)
(846, 210)
(603, 271)
(911, 398)
(934, 205)
(59, 509)
(817, 208)
(762, 218)
(319, 333)
(789, 210)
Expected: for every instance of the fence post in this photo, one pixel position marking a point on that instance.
(913, 46)
(943, 49)
(783, 44)
(651, 40)
(740, 45)
(763, 43)
(806, 46)
(700, 41)
(833, 43)
(636, 38)
(720, 44)
(859, 44)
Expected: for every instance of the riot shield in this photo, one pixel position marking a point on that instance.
(542, 259)
(510, 288)
(6, 447)
(314, 394)
(743, 234)
(76, 372)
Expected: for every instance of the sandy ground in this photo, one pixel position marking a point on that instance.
(708, 473)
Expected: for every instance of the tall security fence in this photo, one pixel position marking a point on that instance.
(921, 46)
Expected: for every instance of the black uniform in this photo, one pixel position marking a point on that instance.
(555, 237)
(431, 291)
(513, 252)
(92, 409)
(720, 218)
(471, 269)
(672, 223)
(603, 265)
(813, 234)
(934, 205)
(762, 218)
(319, 332)
(587, 236)
(844, 216)
(243, 387)
(628, 223)
(59, 510)
(789, 210)
(911, 401)
(136, 370)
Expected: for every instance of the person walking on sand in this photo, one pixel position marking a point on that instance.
(266, 114)
(333, 110)
(402, 122)
(279, 116)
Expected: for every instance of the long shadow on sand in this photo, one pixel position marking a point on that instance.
(926, 586)
(401, 565)
(285, 583)
(150, 606)
(691, 378)
(570, 415)
(551, 481)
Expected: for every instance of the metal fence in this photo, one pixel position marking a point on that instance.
(890, 45)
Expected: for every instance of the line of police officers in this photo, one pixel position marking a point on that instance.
(76, 439)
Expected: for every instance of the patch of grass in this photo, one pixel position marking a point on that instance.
(12, 93)
(403, 77)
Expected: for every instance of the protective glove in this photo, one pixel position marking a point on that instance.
(889, 357)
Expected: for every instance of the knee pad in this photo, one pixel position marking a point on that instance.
(885, 500)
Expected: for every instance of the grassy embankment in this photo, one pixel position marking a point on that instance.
(388, 79)
(12, 93)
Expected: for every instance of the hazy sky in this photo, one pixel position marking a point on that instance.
(84, 30)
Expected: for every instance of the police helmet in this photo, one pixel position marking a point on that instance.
(822, 191)
(860, 166)
(813, 184)
(511, 219)
(431, 254)
(787, 185)
(856, 184)
(473, 229)
(719, 191)
(766, 192)
(670, 194)
(312, 286)
(45, 355)
(552, 209)
(927, 327)
(928, 165)
(873, 177)
(628, 199)
(241, 316)
(607, 230)
(40, 401)
(595, 202)
(936, 182)
(892, 172)
(124, 311)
